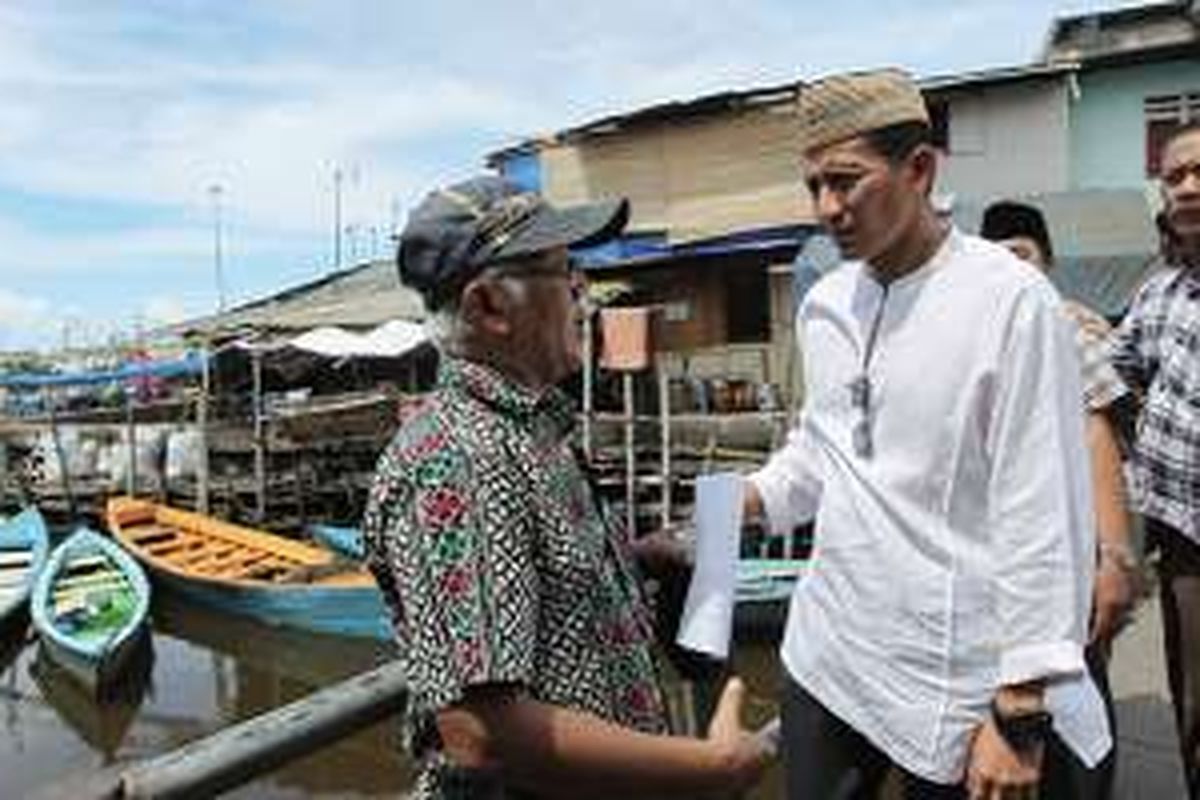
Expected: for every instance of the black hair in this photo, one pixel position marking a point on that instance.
(1007, 219)
(897, 142)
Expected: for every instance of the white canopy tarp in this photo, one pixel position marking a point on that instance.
(390, 340)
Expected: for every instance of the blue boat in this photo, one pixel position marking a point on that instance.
(90, 606)
(344, 540)
(763, 595)
(764, 585)
(24, 547)
(273, 579)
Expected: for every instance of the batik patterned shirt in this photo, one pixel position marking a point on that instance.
(500, 566)
(1156, 350)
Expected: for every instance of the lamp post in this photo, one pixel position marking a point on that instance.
(215, 191)
(337, 218)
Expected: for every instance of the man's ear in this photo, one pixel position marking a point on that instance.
(486, 307)
(922, 166)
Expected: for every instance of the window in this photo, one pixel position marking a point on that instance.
(1165, 114)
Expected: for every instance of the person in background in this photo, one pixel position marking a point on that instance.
(942, 627)
(519, 617)
(1022, 229)
(1156, 350)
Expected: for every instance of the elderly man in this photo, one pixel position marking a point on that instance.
(515, 604)
(1156, 349)
(941, 629)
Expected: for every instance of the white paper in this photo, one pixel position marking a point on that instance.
(707, 622)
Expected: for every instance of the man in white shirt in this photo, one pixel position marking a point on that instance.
(941, 629)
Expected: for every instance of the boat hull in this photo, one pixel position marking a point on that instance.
(355, 612)
(95, 663)
(23, 534)
(272, 579)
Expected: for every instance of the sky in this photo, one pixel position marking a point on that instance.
(137, 138)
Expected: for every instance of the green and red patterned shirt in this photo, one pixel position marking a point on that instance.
(500, 565)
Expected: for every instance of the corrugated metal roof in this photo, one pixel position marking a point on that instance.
(775, 94)
(363, 296)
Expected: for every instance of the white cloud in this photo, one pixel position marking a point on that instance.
(24, 320)
(137, 109)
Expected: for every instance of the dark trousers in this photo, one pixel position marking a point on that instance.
(826, 759)
(1179, 592)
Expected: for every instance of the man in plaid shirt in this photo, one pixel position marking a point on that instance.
(1156, 349)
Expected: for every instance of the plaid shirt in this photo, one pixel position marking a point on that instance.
(1156, 350)
(500, 566)
(1102, 386)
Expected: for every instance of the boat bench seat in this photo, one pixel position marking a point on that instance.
(15, 558)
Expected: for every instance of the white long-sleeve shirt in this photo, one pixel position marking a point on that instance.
(958, 556)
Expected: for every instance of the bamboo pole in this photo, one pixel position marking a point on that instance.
(260, 455)
(588, 381)
(63, 472)
(3, 474)
(630, 459)
(202, 479)
(664, 410)
(131, 435)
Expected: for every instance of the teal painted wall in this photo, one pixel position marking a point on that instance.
(1107, 129)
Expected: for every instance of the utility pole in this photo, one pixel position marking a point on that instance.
(215, 191)
(337, 218)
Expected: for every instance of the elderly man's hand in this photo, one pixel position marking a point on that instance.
(666, 550)
(743, 754)
(997, 772)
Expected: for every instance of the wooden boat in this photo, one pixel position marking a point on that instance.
(24, 547)
(764, 585)
(240, 570)
(90, 606)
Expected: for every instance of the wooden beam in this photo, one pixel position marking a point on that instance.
(238, 754)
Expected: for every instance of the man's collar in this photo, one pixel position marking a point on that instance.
(506, 396)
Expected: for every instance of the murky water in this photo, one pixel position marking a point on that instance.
(207, 670)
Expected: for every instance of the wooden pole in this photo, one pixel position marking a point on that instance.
(131, 435)
(630, 456)
(260, 455)
(664, 412)
(588, 380)
(3, 474)
(202, 480)
(236, 755)
(63, 472)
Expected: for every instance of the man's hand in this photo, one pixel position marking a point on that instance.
(1112, 599)
(997, 772)
(743, 754)
(665, 550)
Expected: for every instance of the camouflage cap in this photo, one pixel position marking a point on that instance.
(840, 107)
(457, 231)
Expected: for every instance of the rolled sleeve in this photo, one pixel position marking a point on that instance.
(1042, 525)
(1038, 661)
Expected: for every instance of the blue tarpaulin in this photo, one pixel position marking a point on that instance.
(190, 364)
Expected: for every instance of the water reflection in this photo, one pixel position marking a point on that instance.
(207, 671)
(101, 724)
(210, 669)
